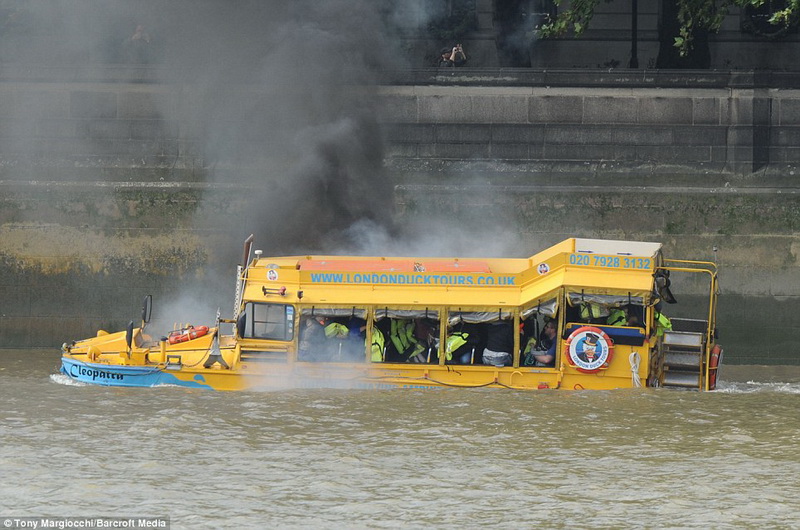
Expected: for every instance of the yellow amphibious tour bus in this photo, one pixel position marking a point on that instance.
(583, 314)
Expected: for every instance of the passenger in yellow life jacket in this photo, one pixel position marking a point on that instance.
(402, 336)
(543, 351)
(455, 341)
(377, 345)
(660, 321)
(335, 330)
(623, 316)
(618, 316)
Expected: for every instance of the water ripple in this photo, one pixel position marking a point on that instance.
(396, 458)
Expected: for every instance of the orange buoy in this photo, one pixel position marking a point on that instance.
(187, 334)
(715, 359)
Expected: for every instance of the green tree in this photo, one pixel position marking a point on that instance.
(693, 19)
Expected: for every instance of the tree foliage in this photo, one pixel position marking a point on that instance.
(693, 15)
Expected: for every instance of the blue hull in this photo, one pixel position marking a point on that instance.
(128, 376)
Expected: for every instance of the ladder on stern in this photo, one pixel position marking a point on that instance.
(684, 349)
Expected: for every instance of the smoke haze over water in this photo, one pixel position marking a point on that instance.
(277, 96)
(283, 106)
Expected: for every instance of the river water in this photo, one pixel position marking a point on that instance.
(402, 458)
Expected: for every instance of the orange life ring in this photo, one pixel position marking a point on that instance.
(715, 359)
(187, 334)
(581, 349)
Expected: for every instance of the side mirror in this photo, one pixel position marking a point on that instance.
(240, 324)
(663, 282)
(147, 309)
(129, 336)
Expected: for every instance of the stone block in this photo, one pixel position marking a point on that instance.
(666, 111)
(578, 152)
(463, 133)
(109, 129)
(606, 109)
(516, 134)
(761, 111)
(50, 301)
(500, 109)
(51, 146)
(15, 301)
(740, 136)
(578, 134)
(740, 158)
(705, 111)
(667, 154)
(18, 127)
(396, 108)
(556, 109)
(638, 135)
(426, 150)
(410, 133)
(144, 105)
(33, 103)
(700, 135)
(511, 151)
(741, 110)
(446, 109)
(400, 151)
(719, 153)
(164, 147)
(788, 111)
(462, 151)
(66, 328)
(485, 20)
(62, 128)
(144, 129)
(88, 104)
(17, 332)
(784, 154)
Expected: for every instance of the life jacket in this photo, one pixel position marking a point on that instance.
(454, 342)
(378, 343)
(334, 330)
(617, 317)
(530, 345)
(592, 311)
(402, 335)
(662, 324)
(528, 358)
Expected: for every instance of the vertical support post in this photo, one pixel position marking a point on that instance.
(634, 34)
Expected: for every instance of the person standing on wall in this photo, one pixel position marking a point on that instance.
(452, 57)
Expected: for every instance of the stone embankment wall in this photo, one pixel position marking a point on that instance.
(105, 196)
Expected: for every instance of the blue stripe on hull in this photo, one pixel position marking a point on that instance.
(108, 375)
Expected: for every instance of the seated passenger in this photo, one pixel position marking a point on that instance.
(617, 316)
(528, 340)
(542, 353)
(662, 322)
(338, 346)
(458, 348)
(593, 313)
(426, 331)
(312, 338)
(336, 330)
(623, 316)
(376, 345)
(499, 344)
